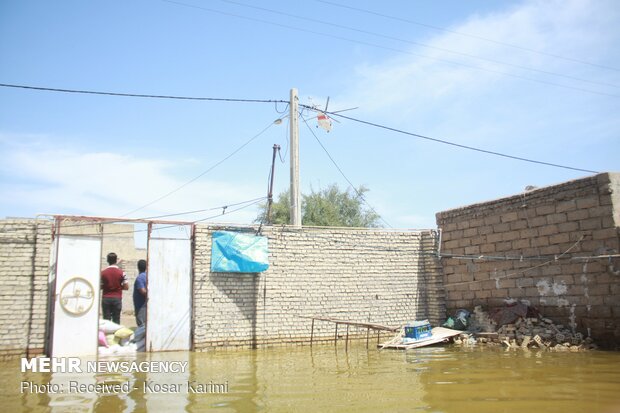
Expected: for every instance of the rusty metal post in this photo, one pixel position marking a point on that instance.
(336, 335)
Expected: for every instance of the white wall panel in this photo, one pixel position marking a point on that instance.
(76, 301)
(169, 295)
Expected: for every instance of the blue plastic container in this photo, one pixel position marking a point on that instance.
(418, 330)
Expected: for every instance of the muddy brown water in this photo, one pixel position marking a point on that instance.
(329, 379)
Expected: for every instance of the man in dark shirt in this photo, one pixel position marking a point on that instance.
(139, 294)
(113, 282)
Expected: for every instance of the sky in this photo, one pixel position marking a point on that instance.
(531, 79)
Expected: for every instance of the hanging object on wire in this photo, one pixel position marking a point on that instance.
(323, 120)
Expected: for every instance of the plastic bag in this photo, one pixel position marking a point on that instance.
(102, 340)
(449, 323)
(108, 327)
(123, 333)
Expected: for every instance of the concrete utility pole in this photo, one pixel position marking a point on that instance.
(295, 194)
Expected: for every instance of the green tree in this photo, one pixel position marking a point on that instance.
(330, 207)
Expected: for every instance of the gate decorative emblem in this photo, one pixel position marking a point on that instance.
(77, 296)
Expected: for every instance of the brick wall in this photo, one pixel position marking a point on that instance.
(24, 269)
(377, 276)
(553, 229)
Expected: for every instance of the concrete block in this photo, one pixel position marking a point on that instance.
(520, 244)
(556, 218)
(487, 249)
(509, 217)
(491, 220)
(566, 206)
(601, 211)
(538, 221)
(517, 225)
(509, 236)
(559, 238)
(606, 233)
(545, 210)
(590, 224)
(585, 203)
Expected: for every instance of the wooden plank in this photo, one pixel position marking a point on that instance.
(352, 323)
(439, 334)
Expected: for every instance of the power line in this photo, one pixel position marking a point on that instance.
(234, 210)
(223, 207)
(225, 212)
(128, 220)
(340, 26)
(346, 39)
(202, 173)
(343, 175)
(508, 275)
(486, 39)
(521, 258)
(472, 148)
(134, 95)
(308, 107)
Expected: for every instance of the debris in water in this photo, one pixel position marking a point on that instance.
(518, 325)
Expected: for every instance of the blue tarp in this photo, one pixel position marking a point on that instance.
(237, 252)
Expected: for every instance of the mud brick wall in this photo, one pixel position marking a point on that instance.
(383, 277)
(24, 270)
(554, 229)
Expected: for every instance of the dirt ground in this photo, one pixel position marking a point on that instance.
(128, 320)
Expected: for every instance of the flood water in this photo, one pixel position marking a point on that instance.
(329, 379)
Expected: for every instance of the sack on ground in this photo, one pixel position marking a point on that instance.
(102, 339)
(123, 332)
(108, 327)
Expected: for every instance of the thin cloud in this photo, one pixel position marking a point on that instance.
(413, 85)
(489, 110)
(108, 184)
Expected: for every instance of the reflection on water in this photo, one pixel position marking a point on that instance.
(435, 379)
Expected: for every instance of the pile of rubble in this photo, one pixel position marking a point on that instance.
(525, 329)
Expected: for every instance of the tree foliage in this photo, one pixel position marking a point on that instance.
(330, 207)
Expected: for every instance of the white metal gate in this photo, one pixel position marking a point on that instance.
(168, 320)
(76, 298)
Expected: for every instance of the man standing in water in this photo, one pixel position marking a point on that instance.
(139, 294)
(113, 282)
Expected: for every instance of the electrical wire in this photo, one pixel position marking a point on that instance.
(223, 207)
(328, 113)
(286, 139)
(134, 95)
(285, 108)
(234, 210)
(445, 142)
(392, 49)
(522, 271)
(128, 220)
(428, 46)
(361, 196)
(224, 212)
(202, 173)
(473, 36)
